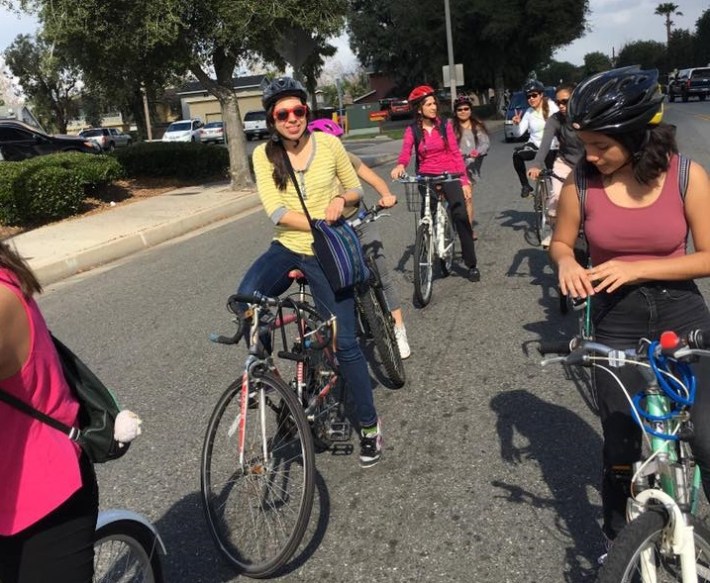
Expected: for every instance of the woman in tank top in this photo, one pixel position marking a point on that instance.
(637, 219)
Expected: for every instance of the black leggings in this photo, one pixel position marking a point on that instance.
(525, 153)
(453, 192)
(60, 547)
(620, 319)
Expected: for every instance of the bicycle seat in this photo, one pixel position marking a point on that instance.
(298, 276)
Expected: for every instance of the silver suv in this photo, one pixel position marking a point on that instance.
(255, 125)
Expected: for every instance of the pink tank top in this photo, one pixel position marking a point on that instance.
(39, 466)
(633, 234)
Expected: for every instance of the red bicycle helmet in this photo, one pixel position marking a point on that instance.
(326, 126)
(419, 94)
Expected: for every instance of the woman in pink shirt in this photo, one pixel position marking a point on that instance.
(636, 216)
(48, 491)
(438, 152)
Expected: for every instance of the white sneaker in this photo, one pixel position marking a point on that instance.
(400, 333)
(546, 241)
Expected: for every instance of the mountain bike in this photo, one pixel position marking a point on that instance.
(374, 312)
(127, 548)
(257, 472)
(541, 196)
(435, 236)
(663, 540)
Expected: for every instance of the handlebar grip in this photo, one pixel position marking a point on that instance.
(555, 347)
(699, 338)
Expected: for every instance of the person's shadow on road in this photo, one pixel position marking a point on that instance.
(568, 453)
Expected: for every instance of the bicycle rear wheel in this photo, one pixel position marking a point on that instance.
(257, 513)
(447, 261)
(126, 551)
(423, 265)
(639, 548)
(380, 322)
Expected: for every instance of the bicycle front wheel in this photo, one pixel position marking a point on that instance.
(423, 264)
(447, 260)
(126, 551)
(257, 511)
(638, 553)
(540, 203)
(380, 322)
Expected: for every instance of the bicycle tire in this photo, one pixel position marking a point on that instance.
(124, 551)
(644, 533)
(539, 209)
(423, 265)
(447, 261)
(381, 323)
(250, 518)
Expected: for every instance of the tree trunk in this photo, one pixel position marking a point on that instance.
(499, 86)
(240, 175)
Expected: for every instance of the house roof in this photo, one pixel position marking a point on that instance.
(238, 83)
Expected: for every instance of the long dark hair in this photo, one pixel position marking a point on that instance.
(476, 124)
(275, 150)
(9, 259)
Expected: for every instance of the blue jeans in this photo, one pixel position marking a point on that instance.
(620, 320)
(269, 275)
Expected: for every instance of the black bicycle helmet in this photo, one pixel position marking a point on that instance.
(463, 100)
(533, 86)
(282, 87)
(617, 102)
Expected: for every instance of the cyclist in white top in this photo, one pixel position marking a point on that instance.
(532, 121)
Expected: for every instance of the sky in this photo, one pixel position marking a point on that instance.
(613, 23)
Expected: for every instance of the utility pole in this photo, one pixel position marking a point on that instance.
(450, 49)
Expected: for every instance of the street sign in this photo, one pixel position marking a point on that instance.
(458, 75)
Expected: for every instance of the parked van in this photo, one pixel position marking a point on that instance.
(255, 125)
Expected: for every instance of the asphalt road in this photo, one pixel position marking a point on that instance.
(491, 466)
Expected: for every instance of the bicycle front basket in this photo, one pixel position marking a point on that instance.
(414, 197)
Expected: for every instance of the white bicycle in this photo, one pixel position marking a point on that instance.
(435, 232)
(127, 549)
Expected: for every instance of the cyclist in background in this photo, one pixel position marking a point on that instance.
(474, 143)
(636, 221)
(532, 121)
(369, 233)
(49, 499)
(318, 161)
(569, 153)
(436, 151)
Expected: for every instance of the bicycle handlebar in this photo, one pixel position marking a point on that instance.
(419, 179)
(551, 174)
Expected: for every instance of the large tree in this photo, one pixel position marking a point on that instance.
(595, 62)
(50, 84)
(681, 49)
(702, 39)
(649, 54)
(667, 10)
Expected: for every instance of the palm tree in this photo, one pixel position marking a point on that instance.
(668, 9)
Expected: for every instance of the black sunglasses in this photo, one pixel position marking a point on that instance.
(465, 108)
(531, 95)
(561, 101)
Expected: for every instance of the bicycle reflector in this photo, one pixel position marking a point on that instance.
(669, 340)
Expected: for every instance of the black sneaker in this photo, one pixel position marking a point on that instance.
(526, 191)
(474, 275)
(370, 447)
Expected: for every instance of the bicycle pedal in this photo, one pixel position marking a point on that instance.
(340, 431)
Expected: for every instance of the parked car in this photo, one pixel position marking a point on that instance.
(213, 132)
(694, 82)
(519, 102)
(183, 131)
(108, 139)
(399, 109)
(255, 125)
(19, 141)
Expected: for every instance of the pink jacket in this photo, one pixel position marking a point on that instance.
(39, 466)
(435, 155)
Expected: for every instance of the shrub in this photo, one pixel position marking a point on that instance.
(186, 161)
(49, 188)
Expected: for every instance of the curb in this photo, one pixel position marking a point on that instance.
(57, 270)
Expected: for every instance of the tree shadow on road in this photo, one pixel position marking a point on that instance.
(568, 453)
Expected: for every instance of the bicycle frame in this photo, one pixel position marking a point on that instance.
(436, 222)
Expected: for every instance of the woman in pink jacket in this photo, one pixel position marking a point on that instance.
(48, 491)
(437, 151)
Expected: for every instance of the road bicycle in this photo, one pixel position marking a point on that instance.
(258, 459)
(374, 312)
(435, 236)
(663, 540)
(127, 549)
(541, 196)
